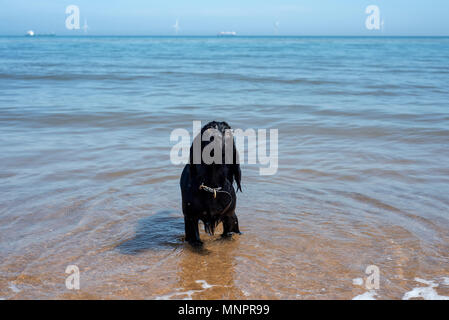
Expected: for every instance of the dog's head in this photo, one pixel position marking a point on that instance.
(213, 155)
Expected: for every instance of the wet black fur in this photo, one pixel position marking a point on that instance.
(200, 205)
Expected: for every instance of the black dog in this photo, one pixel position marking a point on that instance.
(207, 189)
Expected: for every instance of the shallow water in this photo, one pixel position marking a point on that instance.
(86, 177)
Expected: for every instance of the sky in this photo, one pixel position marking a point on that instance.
(246, 17)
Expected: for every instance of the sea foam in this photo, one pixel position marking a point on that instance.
(369, 295)
(426, 293)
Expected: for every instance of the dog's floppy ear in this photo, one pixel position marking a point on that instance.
(194, 161)
(235, 169)
(192, 166)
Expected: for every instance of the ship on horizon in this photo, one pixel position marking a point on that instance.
(31, 33)
(227, 34)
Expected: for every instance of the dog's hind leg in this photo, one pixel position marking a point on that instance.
(230, 225)
(192, 232)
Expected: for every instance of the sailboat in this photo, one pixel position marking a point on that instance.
(176, 27)
(85, 27)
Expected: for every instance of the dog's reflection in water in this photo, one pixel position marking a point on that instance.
(158, 231)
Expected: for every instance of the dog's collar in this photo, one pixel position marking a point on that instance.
(209, 189)
(215, 191)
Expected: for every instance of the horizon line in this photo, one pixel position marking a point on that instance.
(213, 35)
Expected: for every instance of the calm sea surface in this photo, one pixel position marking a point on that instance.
(86, 177)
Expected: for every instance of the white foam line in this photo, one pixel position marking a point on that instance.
(446, 281)
(189, 293)
(369, 295)
(13, 287)
(426, 293)
(181, 293)
(429, 283)
(204, 284)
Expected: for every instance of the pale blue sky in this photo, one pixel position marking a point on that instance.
(251, 17)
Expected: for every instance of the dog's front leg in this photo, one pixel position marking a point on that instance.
(192, 231)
